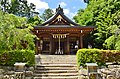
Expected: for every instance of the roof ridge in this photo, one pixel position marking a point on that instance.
(59, 11)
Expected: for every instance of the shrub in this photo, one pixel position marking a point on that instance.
(97, 56)
(87, 55)
(10, 57)
(110, 55)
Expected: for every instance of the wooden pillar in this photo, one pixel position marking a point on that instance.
(36, 46)
(40, 46)
(51, 45)
(68, 46)
(81, 41)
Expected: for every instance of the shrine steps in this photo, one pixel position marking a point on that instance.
(56, 67)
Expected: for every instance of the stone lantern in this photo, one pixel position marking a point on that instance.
(19, 66)
(92, 70)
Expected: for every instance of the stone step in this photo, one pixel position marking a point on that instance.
(67, 56)
(57, 57)
(57, 62)
(56, 68)
(56, 74)
(55, 71)
(44, 59)
(57, 77)
(56, 65)
(66, 59)
(62, 60)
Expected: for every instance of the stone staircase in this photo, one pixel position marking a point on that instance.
(56, 67)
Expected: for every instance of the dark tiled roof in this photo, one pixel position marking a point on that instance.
(59, 11)
(66, 26)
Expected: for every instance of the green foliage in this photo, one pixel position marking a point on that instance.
(105, 15)
(110, 56)
(10, 57)
(109, 43)
(18, 7)
(16, 40)
(47, 14)
(97, 56)
(85, 17)
(4, 5)
(117, 42)
(35, 20)
(87, 56)
(14, 34)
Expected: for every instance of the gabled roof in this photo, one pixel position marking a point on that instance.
(59, 19)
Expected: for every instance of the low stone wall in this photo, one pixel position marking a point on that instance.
(112, 72)
(8, 72)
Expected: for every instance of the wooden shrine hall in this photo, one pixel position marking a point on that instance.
(60, 35)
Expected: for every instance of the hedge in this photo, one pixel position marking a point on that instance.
(97, 56)
(10, 57)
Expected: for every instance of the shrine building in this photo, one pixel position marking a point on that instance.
(60, 35)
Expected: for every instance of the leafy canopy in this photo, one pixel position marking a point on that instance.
(105, 15)
(18, 7)
(47, 14)
(14, 34)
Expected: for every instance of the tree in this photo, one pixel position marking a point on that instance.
(47, 14)
(100, 13)
(4, 5)
(33, 21)
(86, 1)
(18, 7)
(13, 34)
(114, 40)
(80, 12)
